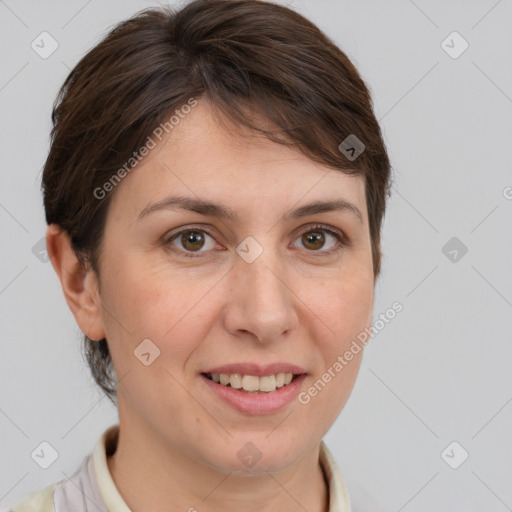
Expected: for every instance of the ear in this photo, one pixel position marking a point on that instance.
(80, 287)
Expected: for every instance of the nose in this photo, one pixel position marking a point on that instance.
(261, 303)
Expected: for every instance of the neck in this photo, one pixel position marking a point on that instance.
(150, 476)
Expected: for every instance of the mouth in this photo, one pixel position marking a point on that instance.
(255, 389)
(253, 384)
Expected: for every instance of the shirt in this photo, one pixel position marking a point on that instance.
(92, 489)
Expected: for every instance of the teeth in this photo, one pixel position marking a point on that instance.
(252, 383)
(235, 380)
(267, 383)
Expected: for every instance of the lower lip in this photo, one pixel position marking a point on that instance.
(262, 403)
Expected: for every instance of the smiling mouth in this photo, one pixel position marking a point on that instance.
(252, 384)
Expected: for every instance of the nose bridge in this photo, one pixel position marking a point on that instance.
(263, 282)
(261, 300)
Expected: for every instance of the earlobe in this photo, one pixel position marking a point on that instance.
(79, 285)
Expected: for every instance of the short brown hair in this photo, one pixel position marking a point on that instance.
(235, 53)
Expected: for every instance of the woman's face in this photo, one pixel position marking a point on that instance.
(260, 287)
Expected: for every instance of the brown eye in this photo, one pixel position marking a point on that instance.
(189, 241)
(192, 240)
(315, 240)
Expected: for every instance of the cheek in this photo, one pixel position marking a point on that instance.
(344, 308)
(149, 302)
(146, 303)
(347, 314)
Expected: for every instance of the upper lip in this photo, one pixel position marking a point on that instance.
(257, 369)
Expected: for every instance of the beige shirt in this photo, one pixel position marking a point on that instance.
(92, 489)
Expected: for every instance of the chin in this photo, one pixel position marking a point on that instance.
(256, 454)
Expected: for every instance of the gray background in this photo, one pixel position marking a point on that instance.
(438, 373)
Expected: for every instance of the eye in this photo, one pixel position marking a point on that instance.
(316, 237)
(192, 240)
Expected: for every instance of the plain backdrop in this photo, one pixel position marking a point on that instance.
(435, 383)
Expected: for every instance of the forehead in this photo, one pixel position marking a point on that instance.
(220, 162)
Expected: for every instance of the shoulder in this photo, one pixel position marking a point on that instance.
(77, 492)
(37, 501)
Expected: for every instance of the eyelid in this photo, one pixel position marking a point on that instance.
(189, 227)
(329, 229)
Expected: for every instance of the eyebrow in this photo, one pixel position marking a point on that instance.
(224, 212)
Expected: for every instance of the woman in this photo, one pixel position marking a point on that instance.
(214, 194)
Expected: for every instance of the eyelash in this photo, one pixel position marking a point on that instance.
(342, 240)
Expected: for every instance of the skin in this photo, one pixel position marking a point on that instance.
(292, 304)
